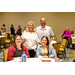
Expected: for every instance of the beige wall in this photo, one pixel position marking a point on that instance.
(58, 21)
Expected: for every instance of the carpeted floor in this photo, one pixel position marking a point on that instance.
(69, 55)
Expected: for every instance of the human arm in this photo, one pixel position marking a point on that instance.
(51, 35)
(51, 51)
(10, 54)
(38, 51)
(37, 40)
(50, 39)
(63, 33)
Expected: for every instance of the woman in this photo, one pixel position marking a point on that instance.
(72, 33)
(17, 48)
(30, 38)
(67, 33)
(45, 49)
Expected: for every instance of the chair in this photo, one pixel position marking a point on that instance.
(62, 48)
(9, 41)
(6, 36)
(2, 42)
(70, 42)
(64, 43)
(56, 47)
(5, 55)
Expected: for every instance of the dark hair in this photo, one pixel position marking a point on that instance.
(72, 32)
(47, 43)
(14, 41)
(3, 25)
(11, 24)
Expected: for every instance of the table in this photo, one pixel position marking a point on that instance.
(52, 42)
(1, 37)
(31, 60)
(3, 34)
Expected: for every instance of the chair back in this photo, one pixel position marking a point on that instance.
(5, 55)
(12, 38)
(6, 36)
(70, 40)
(56, 47)
(73, 57)
(64, 43)
(62, 37)
(2, 41)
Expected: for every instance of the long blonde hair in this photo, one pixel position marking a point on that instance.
(28, 24)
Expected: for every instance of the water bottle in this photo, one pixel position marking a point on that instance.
(53, 36)
(23, 57)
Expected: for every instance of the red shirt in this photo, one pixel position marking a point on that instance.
(11, 51)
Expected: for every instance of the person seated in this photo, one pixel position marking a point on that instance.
(67, 33)
(3, 28)
(72, 33)
(45, 49)
(16, 49)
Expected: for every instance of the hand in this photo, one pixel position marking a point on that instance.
(37, 44)
(45, 56)
(50, 57)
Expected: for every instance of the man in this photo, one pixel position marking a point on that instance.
(44, 30)
(12, 29)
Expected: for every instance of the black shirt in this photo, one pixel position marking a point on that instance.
(18, 53)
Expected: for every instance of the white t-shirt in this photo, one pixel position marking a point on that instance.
(30, 39)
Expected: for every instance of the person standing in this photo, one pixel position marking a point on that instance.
(19, 30)
(44, 30)
(12, 29)
(30, 38)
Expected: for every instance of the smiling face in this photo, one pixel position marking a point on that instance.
(43, 21)
(18, 40)
(44, 41)
(30, 27)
